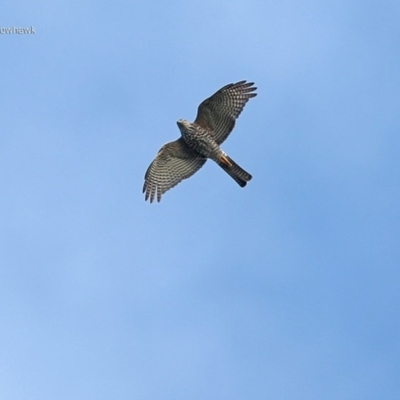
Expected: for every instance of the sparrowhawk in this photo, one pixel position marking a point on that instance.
(200, 140)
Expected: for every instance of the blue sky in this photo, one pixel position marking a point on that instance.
(287, 289)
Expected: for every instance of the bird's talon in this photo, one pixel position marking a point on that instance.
(225, 160)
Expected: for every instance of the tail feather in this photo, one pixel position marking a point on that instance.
(236, 172)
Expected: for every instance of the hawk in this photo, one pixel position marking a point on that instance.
(199, 141)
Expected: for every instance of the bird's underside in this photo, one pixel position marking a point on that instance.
(199, 141)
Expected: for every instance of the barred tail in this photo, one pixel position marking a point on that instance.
(235, 171)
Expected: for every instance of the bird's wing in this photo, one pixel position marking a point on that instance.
(174, 162)
(219, 112)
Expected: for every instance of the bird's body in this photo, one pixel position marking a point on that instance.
(199, 141)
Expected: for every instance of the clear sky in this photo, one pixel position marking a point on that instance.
(286, 289)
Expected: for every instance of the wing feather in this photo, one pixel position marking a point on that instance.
(219, 112)
(174, 162)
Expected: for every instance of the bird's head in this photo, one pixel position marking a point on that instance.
(183, 124)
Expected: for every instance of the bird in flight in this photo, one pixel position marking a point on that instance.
(199, 141)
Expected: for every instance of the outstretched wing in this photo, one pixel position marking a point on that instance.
(174, 162)
(218, 113)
